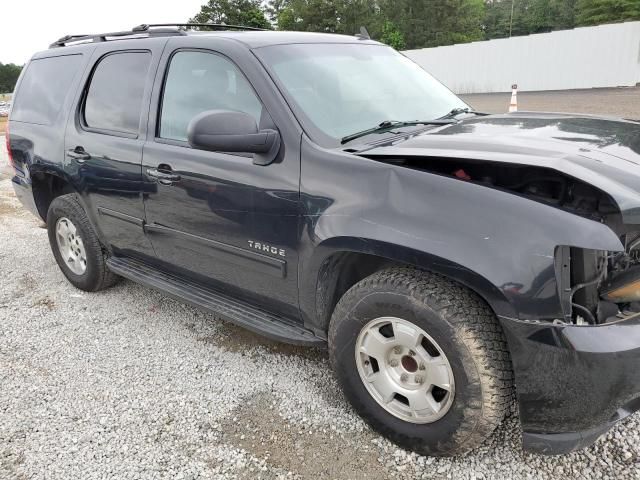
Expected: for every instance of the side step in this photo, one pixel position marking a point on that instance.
(229, 309)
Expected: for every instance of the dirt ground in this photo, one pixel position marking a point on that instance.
(618, 102)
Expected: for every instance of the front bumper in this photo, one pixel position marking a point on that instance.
(573, 383)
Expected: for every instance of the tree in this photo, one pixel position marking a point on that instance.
(421, 23)
(330, 16)
(436, 22)
(497, 18)
(596, 12)
(310, 16)
(529, 16)
(249, 13)
(273, 9)
(360, 13)
(9, 74)
(392, 36)
(540, 16)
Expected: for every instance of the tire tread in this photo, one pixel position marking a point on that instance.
(70, 203)
(471, 317)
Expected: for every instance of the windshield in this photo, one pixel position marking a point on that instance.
(341, 89)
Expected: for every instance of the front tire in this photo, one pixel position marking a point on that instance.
(76, 247)
(422, 359)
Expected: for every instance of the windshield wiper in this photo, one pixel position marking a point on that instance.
(391, 124)
(459, 110)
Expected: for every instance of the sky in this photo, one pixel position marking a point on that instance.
(28, 26)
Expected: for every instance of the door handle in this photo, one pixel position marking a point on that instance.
(78, 154)
(165, 178)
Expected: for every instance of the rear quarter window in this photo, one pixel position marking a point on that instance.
(44, 88)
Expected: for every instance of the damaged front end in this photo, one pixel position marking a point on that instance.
(578, 375)
(594, 286)
(575, 351)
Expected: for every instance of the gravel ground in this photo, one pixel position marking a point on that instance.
(618, 102)
(127, 383)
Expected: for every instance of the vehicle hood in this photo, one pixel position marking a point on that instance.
(604, 152)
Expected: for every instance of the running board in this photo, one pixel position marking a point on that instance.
(230, 309)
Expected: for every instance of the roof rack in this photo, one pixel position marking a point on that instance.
(215, 26)
(145, 31)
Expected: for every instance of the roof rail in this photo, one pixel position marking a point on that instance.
(216, 26)
(103, 37)
(145, 31)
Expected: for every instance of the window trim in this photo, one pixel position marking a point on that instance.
(165, 75)
(85, 92)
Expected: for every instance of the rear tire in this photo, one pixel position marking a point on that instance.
(460, 331)
(76, 247)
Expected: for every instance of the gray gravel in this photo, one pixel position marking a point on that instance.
(127, 383)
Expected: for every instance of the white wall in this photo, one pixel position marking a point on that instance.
(602, 56)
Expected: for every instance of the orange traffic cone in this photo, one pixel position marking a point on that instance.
(513, 106)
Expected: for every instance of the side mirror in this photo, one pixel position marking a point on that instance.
(228, 131)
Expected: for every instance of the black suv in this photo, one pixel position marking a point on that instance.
(323, 189)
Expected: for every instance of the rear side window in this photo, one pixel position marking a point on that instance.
(200, 81)
(114, 98)
(44, 88)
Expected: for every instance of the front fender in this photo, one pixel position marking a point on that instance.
(320, 264)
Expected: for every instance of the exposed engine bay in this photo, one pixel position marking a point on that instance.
(544, 185)
(602, 287)
(596, 287)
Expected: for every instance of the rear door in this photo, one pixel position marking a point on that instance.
(104, 139)
(218, 218)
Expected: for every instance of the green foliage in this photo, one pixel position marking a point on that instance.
(595, 12)
(436, 22)
(233, 12)
(529, 16)
(274, 8)
(421, 23)
(9, 74)
(392, 36)
(310, 16)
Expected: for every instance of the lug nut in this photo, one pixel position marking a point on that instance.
(419, 379)
(393, 363)
(366, 363)
(404, 377)
(412, 353)
(397, 350)
(421, 366)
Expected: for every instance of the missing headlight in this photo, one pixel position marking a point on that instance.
(596, 286)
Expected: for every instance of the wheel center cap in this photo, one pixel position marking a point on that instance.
(409, 364)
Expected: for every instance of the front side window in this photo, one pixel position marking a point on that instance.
(201, 81)
(114, 98)
(346, 88)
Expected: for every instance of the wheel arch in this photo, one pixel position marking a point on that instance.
(339, 263)
(48, 184)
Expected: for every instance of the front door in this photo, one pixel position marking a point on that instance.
(218, 217)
